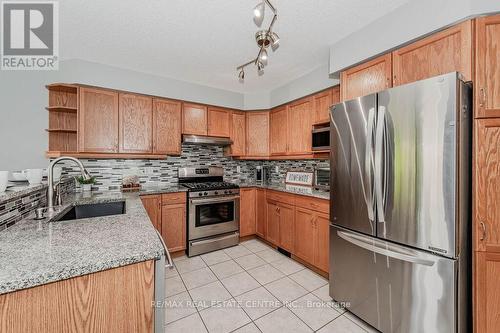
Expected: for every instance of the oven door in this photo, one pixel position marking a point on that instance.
(213, 216)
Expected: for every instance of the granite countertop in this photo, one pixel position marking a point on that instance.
(295, 189)
(33, 252)
(162, 188)
(16, 190)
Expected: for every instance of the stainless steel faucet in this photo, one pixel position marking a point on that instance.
(50, 176)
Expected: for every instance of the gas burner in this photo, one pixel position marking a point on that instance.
(210, 186)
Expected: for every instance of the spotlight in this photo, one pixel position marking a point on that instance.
(263, 57)
(258, 13)
(275, 40)
(241, 75)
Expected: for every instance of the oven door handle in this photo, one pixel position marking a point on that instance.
(214, 200)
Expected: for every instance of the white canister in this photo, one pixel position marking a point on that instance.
(34, 176)
(4, 177)
(87, 187)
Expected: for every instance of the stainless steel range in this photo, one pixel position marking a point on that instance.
(213, 210)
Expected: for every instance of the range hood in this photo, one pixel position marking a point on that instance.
(206, 140)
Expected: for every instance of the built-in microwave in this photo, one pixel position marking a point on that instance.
(321, 138)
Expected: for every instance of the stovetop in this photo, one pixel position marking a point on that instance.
(208, 186)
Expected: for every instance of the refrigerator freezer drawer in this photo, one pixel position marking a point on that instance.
(393, 288)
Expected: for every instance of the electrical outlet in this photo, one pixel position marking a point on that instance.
(238, 169)
(276, 169)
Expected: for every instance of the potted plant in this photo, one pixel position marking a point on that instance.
(86, 184)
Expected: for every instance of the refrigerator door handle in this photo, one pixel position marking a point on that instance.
(380, 165)
(369, 167)
(382, 248)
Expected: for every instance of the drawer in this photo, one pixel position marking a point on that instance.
(281, 197)
(319, 205)
(173, 198)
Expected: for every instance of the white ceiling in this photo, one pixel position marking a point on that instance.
(203, 41)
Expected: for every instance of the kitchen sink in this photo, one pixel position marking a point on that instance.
(94, 210)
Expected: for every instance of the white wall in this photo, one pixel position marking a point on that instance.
(309, 83)
(408, 22)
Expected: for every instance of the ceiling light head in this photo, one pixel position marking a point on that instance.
(260, 68)
(263, 57)
(275, 41)
(258, 13)
(241, 75)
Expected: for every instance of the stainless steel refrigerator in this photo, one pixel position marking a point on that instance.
(400, 206)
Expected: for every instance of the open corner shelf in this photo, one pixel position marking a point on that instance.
(67, 109)
(62, 87)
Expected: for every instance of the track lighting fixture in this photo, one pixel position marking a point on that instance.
(264, 39)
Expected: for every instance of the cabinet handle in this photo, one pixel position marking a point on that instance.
(483, 235)
(482, 97)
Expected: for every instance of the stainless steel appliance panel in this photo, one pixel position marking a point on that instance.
(394, 288)
(213, 216)
(352, 126)
(416, 146)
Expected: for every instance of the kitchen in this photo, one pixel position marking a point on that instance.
(355, 194)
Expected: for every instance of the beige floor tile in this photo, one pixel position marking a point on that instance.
(189, 264)
(250, 261)
(285, 289)
(174, 286)
(178, 306)
(258, 302)
(237, 251)
(207, 295)
(240, 283)
(226, 268)
(170, 272)
(313, 311)
(255, 245)
(216, 257)
(198, 278)
(190, 324)
(287, 266)
(308, 279)
(250, 328)
(270, 255)
(224, 319)
(265, 274)
(281, 320)
(341, 325)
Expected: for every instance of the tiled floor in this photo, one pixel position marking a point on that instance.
(251, 288)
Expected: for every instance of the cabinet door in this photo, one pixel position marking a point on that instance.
(487, 83)
(300, 127)
(304, 234)
(443, 52)
(487, 293)
(322, 242)
(273, 226)
(322, 102)
(257, 133)
(167, 124)
(173, 226)
(194, 119)
(278, 131)
(219, 121)
(247, 211)
(370, 77)
(238, 133)
(98, 121)
(152, 204)
(136, 124)
(487, 183)
(286, 226)
(261, 213)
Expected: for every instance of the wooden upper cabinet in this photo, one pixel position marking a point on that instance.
(98, 121)
(167, 126)
(322, 103)
(247, 211)
(257, 142)
(443, 52)
(278, 131)
(487, 185)
(194, 119)
(238, 133)
(136, 123)
(219, 121)
(367, 78)
(487, 291)
(487, 82)
(300, 126)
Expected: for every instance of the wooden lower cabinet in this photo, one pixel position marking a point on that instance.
(114, 300)
(261, 213)
(168, 215)
(247, 211)
(273, 223)
(286, 215)
(322, 238)
(487, 292)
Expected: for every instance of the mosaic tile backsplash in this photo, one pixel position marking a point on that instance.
(110, 172)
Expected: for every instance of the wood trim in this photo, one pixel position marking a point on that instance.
(114, 300)
(55, 154)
